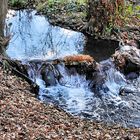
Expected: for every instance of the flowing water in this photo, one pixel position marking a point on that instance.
(34, 38)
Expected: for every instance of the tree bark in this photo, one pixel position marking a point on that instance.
(3, 11)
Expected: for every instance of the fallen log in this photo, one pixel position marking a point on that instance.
(82, 64)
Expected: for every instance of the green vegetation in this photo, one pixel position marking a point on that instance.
(18, 3)
(55, 6)
(130, 15)
(132, 11)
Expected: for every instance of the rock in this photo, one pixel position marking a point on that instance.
(50, 74)
(132, 76)
(127, 59)
(124, 90)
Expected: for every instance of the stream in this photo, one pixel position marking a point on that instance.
(35, 40)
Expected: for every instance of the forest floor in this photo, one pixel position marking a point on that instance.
(24, 117)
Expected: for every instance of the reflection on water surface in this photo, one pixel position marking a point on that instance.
(35, 38)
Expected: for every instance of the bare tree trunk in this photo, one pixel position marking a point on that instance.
(3, 11)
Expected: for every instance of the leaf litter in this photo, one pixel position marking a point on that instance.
(24, 117)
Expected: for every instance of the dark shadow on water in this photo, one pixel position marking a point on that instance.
(100, 49)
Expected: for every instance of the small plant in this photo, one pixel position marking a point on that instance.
(129, 11)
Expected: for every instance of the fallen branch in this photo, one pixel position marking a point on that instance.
(17, 68)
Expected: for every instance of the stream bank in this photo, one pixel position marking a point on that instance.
(73, 15)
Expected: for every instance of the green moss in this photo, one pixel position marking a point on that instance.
(18, 3)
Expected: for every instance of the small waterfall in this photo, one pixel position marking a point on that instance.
(71, 92)
(105, 95)
(74, 93)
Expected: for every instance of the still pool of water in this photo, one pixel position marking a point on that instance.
(35, 38)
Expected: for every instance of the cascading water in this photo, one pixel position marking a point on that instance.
(72, 92)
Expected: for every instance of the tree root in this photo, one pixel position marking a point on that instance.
(20, 70)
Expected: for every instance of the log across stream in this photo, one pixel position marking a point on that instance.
(107, 90)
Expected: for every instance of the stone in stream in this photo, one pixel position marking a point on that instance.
(50, 74)
(97, 83)
(84, 64)
(125, 90)
(127, 59)
(132, 75)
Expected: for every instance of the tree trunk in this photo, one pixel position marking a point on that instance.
(103, 15)
(3, 11)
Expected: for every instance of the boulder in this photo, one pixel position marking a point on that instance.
(127, 59)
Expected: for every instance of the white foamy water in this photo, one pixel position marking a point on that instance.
(75, 96)
(72, 92)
